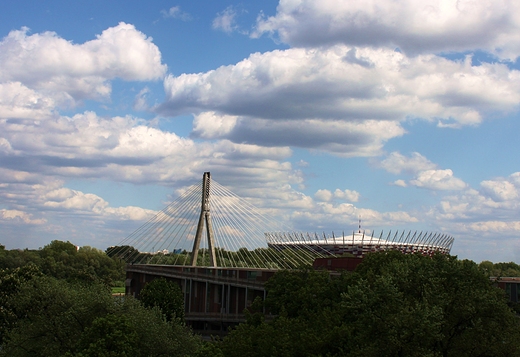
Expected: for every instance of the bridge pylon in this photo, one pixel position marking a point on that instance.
(204, 217)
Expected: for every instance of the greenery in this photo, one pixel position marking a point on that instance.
(165, 295)
(10, 282)
(393, 305)
(63, 260)
(57, 301)
(118, 290)
(60, 318)
(258, 258)
(500, 269)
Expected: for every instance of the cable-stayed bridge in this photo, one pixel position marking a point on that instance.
(221, 251)
(208, 225)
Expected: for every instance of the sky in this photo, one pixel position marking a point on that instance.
(402, 113)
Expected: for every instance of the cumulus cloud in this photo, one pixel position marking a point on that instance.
(18, 101)
(344, 138)
(10, 216)
(323, 195)
(66, 71)
(226, 20)
(400, 183)
(76, 201)
(492, 209)
(86, 140)
(426, 173)
(299, 87)
(210, 125)
(500, 190)
(176, 13)
(128, 149)
(348, 195)
(326, 215)
(140, 101)
(413, 26)
(396, 163)
(438, 180)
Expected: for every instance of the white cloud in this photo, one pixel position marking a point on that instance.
(349, 195)
(140, 101)
(323, 195)
(64, 71)
(176, 13)
(396, 163)
(18, 101)
(499, 190)
(344, 138)
(302, 163)
(126, 149)
(426, 173)
(76, 201)
(438, 180)
(210, 125)
(486, 213)
(413, 26)
(19, 216)
(400, 183)
(302, 86)
(226, 20)
(89, 138)
(342, 216)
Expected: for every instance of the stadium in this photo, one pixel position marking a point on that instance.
(359, 243)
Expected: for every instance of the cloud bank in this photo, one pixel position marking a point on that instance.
(414, 27)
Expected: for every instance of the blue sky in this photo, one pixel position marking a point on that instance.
(405, 113)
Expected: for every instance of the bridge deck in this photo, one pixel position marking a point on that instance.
(214, 298)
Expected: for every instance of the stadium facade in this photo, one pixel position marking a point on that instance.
(359, 243)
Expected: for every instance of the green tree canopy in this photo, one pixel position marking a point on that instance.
(166, 295)
(63, 260)
(392, 305)
(420, 306)
(11, 281)
(109, 336)
(57, 318)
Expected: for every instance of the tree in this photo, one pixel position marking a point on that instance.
(393, 305)
(11, 281)
(166, 295)
(63, 260)
(57, 318)
(306, 303)
(95, 262)
(300, 292)
(427, 306)
(125, 252)
(109, 336)
(16, 258)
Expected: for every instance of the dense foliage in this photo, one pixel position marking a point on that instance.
(500, 269)
(63, 260)
(267, 258)
(56, 301)
(59, 318)
(393, 305)
(165, 295)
